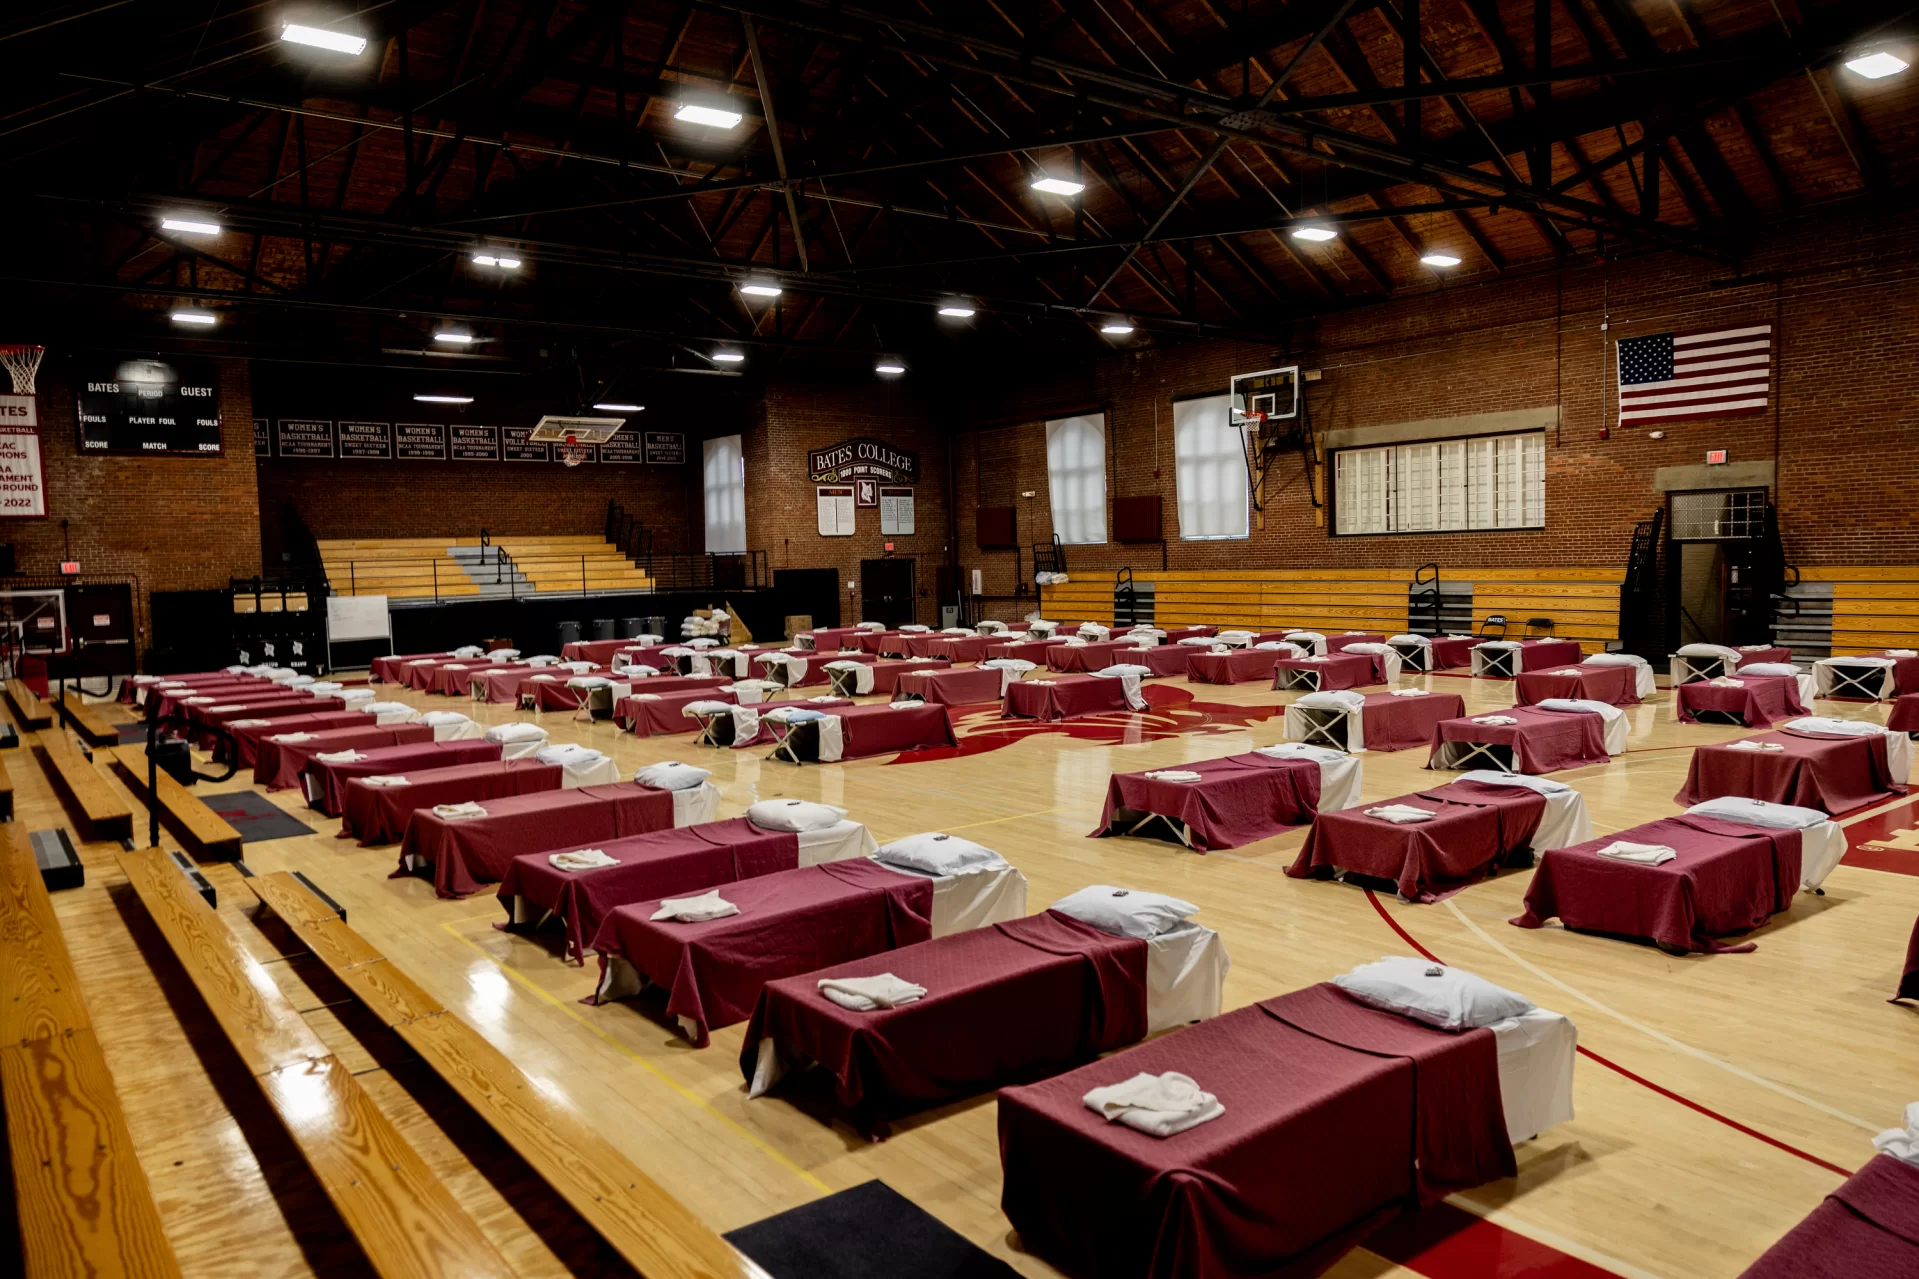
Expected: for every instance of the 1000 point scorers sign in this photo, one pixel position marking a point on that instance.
(164, 407)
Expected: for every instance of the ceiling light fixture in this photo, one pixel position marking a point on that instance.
(1116, 328)
(1058, 186)
(453, 335)
(1317, 234)
(494, 259)
(718, 117)
(1439, 259)
(444, 399)
(761, 289)
(189, 226)
(958, 311)
(620, 408)
(195, 317)
(728, 357)
(320, 38)
(889, 367)
(1876, 64)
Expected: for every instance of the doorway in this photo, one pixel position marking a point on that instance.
(1713, 557)
(809, 592)
(887, 589)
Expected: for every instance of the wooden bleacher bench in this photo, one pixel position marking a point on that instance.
(186, 814)
(98, 811)
(404, 1219)
(94, 728)
(82, 1199)
(28, 710)
(646, 1225)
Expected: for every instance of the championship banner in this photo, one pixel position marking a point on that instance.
(23, 480)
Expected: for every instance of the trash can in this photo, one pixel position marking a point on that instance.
(171, 755)
(602, 628)
(653, 626)
(631, 627)
(569, 633)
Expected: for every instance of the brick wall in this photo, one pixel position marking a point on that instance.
(172, 523)
(781, 509)
(1846, 325)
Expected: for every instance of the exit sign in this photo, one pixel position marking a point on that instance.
(1715, 457)
(70, 567)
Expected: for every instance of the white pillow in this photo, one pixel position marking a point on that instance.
(794, 815)
(567, 753)
(1343, 700)
(709, 706)
(502, 734)
(544, 659)
(386, 708)
(1613, 659)
(439, 719)
(1126, 912)
(672, 775)
(1493, 777)
(1126, 668)
(1769, 668)
(1759, 812)
(1197, 641)
(1449, 998)
(1410, 639)
(937, 854)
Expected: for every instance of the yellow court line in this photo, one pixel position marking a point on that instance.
(993, 820)
(1660, 1035)
(553, 1000)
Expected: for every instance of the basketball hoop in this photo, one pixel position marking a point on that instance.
(20, 362)
(572, 452)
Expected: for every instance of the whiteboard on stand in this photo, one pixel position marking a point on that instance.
(357, 617)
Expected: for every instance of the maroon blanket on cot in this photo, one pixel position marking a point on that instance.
(467, 852)
(1095, 655)
(1401, 723)
(1614, 685)
(1909, 979)
(954, 648)
(1004, 1003)
(1337, 643)
(386, 670)
(1905, 672)
(1449, 652)
(662, 714)
(175, 701)
(1759, 700)
(1478, 826)
(1033, 651)
(247, 737)
(1904, 717)
(1064, 697)
(830, 639)
(1747, 656)
(130, 688)
(1541, 742)
(648, 655)
(791, 922)
(1727, 878)
(456, 678)
(554, 695)
(887, 675)
(881, 642)
(1833, 774)
(503, 687)
(1340, 671)
(1167, 659)
(326, 782)
(675, 862)
(209, 722)
(379, 814)
(1238, 799)
(1174, 634)
(1238, 666)
(1336, 1117)
(883, 729)
(1866, 1229)
(595, 651)
(279, 763)
(418, 675)
(951, 687)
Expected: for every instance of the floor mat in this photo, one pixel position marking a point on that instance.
(255, 816)
(868, 1232)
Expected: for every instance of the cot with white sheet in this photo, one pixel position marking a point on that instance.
(1423, 653)
(1504, 659)
(1538, 740)
(855, 732)
(663, 863)
(1377, 1113)
(455, 679)
(463, 852)
(726, 723)
(1004, 1003)
(1481, 824)
(1614, 685)
(1391, 721)
(1876, 677)
(967, 687)
(1691, 662)
(1232, 800)
(650, 714)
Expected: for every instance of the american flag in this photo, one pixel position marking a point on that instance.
(1717, 373)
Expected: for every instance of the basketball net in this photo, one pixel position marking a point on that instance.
(572, 452)
(20, 362)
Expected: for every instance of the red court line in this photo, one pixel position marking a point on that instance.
(1667, 1093)
(1445, 1242)
(1881, 826)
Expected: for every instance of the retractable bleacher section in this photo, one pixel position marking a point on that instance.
(397, 567)
(1863, 608)
(442, 567)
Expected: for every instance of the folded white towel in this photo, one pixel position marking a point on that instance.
(694, 910)
(1754, 648)
(1902, 1143)
(385, 779)
(866, 994)
(199, 701)
(339, 757)
(1409, 692)
(248, 723)
(288, 737)
(466, 810)
(1725, 681)
(1174, 775)
(583, 859)
(1157, 1105)
(1400, 814)
(1746, 744)
(1494, 719)
(1902, 652)
(1646, 854)
(230, 706)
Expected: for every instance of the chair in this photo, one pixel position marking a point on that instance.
(1486, 630)
(1537, 626)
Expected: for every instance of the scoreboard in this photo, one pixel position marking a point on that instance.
(150, 406)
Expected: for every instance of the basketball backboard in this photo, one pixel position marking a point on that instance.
(553, 429)
(1266, 395)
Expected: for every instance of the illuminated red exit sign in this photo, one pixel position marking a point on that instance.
(70, 567)
(1715, 457)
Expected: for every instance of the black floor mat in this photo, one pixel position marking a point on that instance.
(255, 816)
(868, 1232)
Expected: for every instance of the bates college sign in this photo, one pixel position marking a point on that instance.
(862, 459)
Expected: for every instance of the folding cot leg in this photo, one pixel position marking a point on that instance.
(1323, 729)
(1843, 681)
(1476, 749)
(1178, 828)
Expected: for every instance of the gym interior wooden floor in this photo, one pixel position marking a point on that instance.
(1718, 1101)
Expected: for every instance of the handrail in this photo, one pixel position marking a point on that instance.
(220, 731)
(540, 574)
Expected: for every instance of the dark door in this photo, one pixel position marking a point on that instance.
(809, 592)
(886, 591)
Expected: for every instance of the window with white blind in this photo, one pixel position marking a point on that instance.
(1076, 477)
(1482, 482)
(1210, 467)
(723, 475)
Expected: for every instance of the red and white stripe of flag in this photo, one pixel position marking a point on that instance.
(1719, 373)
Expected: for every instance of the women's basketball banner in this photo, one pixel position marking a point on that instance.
(23, 480)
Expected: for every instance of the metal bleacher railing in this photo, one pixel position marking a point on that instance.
(496, 573)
